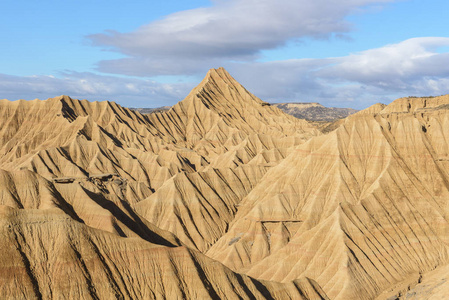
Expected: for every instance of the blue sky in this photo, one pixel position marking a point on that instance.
(347, 53)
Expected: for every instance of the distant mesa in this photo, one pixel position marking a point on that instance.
(313, 111)
(151, 110)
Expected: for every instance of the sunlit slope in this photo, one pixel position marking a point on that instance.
(49, 255)
(357, 210)
(98, 201)
(222, 196)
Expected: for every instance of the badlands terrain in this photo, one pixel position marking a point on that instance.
(223, 196)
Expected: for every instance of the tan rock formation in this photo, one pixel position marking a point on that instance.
(222, 196)
(358, 210)
(76, 174)
(46, 254)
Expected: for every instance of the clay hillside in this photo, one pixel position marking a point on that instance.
(222, 196)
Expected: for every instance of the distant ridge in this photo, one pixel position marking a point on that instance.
(310, 111)
(145, 110)
(313, 111)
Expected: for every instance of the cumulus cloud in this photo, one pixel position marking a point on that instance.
(395, 64)
(126, 91)
(188, 42)
(411, 67)
(414, 67)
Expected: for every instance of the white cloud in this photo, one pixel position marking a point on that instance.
(125, 91)
(231, 30)
(411, 67)
(395, 63)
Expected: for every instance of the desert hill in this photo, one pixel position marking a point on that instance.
(46, 254)
(222, 196)
(358, 210)
(82, 174)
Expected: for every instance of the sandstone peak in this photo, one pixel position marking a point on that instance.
(219, 72)
(219, 81)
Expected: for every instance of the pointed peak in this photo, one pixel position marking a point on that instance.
(220, 82)
(219, 71)
(62, 97)
(219, 87)
(219, 75)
